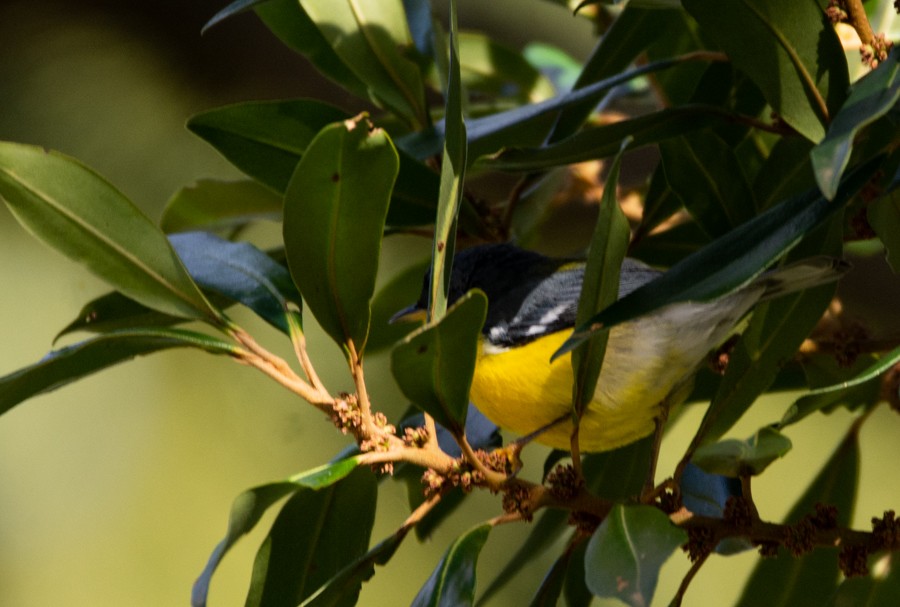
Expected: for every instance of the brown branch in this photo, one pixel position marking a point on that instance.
(856, 17)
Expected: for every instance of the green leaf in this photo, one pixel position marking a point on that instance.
(240, 272)
(315, 534)
(453, 176)
(603, 141)
(872, 591)
(334, 213)
(434, 365)
(786, 172)
(453, 581)
(601, 285)
(114, 311)
(348, 580)
(729, 261)
(884, 216)
(395, 295)
(71, 363)
(626, 552)
(489, 67)
(214, 206)
(706, 175)
(371, 38)
(557, 65)
(870, 98)
(81, 215)
(789, 49)
(813, 401)
(249, 507)
(735, 458)
(810, 580)
(265, 139)
(550, 590)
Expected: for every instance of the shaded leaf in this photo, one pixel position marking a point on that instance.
(729, 261)
(78, 213)
(214, 205)
(249, 507)
(453, 581)
(434, 365)
(265, 139)
(871, 591)
(785, 173)
(789, 49)
(600, 286)
(334, 213)
(811, 580)
(370, 37)
(884, 216)
(240, 272)
(626, 552)
(395, 295)
(870, 98)
(550, 590)
(489, 67)
(63, 366)
(314, 535)
(706, 494)
(734, 458)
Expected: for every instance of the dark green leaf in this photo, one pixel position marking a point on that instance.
(735, 458)
(314, 536)
(731, 260)
(453, 581)
(114, 311)
(71, 363)
(884, 216)
(789, 49)
(618, 474)
(488, 67)
(870, 98)
(334, 213)
(785, 173)
(371, 38)
(434, 365)
(395, 295)
(240, 272)
(872, 591)
(706, 175)
(603, 141)
(817, 399)
(249, 506)
(600, 287)
(348, 580)
(550, 590)
(265, 139)
(811, 580)
(681, 36)
(77, 212)
(626, 552)
(220, 206)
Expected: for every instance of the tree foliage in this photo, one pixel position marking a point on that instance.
(768, 151)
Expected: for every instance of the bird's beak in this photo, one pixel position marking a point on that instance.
(408, 314)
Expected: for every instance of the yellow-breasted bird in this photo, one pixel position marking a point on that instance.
(650, 361)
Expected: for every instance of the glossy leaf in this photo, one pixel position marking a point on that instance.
(314, 535)
(434, 365)
(348, 580)
(249, 507)
(370, 37)
(265, 139)
(735, 458)
(813, 401)
(78, 213)
(63, 366)
(604, 141)
(334, 213)
(600, 286)
(870, 98)
(240, 272)
(453, 176)
(706, 175)
(626, 552)
(789, 49)
(729, 261)
(213, 205)
(812, 579)
(453, 581)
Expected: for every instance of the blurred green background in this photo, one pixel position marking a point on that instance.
(113, 491)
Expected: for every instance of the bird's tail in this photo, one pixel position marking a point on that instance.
(801, 275)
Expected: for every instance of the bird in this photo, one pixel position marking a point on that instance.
(650, 361)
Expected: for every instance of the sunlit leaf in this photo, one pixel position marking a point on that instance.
(334, 213)
(77, 212)
(71, 363)
(626, 552)
(453, 581)
(434, 365)
(488, 67)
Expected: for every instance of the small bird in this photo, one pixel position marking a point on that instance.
(650, 361)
